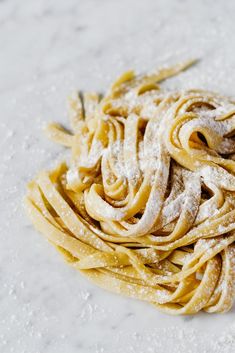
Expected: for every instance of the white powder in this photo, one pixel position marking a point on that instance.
(72, 175)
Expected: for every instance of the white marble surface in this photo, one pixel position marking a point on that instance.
(48, 48)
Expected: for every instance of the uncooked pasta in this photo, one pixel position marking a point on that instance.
(146, 205)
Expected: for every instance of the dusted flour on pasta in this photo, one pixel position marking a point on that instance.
(146, 207)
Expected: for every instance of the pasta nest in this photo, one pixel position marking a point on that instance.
(146, 206)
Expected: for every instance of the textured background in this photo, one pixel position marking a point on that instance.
(47, 49)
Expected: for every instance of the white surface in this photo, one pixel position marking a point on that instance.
(48, 48)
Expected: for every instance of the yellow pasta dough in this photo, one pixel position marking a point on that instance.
(146, 207)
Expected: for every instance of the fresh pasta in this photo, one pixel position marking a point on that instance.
(146, 206)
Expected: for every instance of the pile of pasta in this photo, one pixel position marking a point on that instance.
(146, 206)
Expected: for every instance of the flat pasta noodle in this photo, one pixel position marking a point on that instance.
(146, 207)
